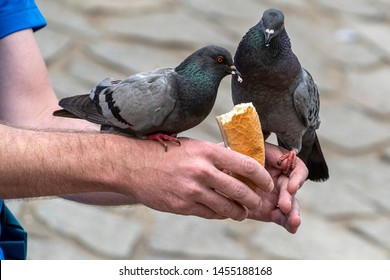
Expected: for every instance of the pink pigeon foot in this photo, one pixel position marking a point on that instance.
(161, 137)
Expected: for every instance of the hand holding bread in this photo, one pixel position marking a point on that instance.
(241, 132)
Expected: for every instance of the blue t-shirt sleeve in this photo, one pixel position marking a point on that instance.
(16, 15)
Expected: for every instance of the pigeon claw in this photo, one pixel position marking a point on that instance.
(161, 137)
(291, 158)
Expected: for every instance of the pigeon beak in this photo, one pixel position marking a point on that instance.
(234, 71)
(268, 36)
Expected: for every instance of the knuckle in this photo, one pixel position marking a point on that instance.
(182, 207)
(239, 191)
(207, 149)
(193, 191)
(249, 165)
(226, 208)
(202, 171)
(202, 148)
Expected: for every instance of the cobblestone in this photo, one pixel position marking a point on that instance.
(195, 237)
(321, 239)
(72, 222)
(372, 85)
(346, 47)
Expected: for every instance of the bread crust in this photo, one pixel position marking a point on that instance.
(241, 132)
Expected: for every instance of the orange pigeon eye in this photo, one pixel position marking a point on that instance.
(220, 59)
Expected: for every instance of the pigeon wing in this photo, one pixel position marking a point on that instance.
(307, 101)
(141, 102)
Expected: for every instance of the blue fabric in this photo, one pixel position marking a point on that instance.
(1, 228)
(13, 238)
(16, 15)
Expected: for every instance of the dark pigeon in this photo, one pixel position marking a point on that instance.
(158, 104)
(284, 94)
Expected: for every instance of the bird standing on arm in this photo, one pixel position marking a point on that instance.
(159, 104)
(283, 92)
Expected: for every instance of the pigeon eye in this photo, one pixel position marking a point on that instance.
(220, 59)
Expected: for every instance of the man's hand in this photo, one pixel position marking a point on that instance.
(280, 206)
(190, 180)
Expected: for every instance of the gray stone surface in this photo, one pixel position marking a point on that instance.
(362, 85)
(375, 32)
(73, 222)
(67, 20)
(364, 8)
(337, 198)
(346, 127)
(351, 53)
(194, 237)
(131, 56)
(149, 27)
(377, 229)
(39, 247)
(318, 238)
(345, 45)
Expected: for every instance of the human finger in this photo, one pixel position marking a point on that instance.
(297, 177)
(203, 211)
(294, 218)
(244, 166)
(225, 194)
(285, 197)
(221, 202)
(290, 221)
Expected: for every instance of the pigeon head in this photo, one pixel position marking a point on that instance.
(272, 23)
(220, 59)
(211, 61)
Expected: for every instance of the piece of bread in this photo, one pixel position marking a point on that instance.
(241, 132)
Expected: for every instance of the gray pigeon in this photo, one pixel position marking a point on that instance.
(284, 94)
(159, 104)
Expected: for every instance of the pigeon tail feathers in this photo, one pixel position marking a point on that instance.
(80, 106)
(318, 169)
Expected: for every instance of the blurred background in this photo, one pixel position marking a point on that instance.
(345, 45)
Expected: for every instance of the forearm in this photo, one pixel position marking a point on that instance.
(101, 198)
(35, 163)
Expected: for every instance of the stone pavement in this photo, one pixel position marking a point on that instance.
(346, 47)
